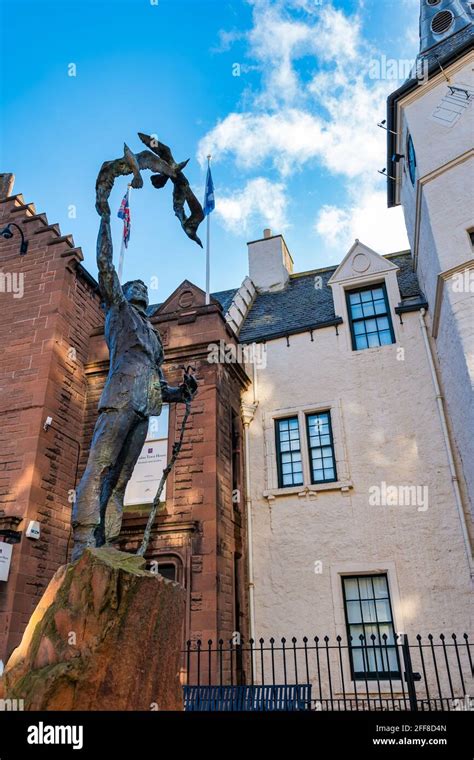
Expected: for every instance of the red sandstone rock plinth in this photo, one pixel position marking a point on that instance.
(106, 635)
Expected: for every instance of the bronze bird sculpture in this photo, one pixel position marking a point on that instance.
(160, 161)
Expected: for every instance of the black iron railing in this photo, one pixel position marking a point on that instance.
(386, 673)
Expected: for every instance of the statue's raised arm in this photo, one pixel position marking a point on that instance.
(109, 283)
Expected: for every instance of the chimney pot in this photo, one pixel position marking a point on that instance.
(267, 233)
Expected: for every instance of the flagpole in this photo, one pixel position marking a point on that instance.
(208, 249)
(122, 247)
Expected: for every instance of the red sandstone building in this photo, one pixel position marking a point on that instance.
(53, 365)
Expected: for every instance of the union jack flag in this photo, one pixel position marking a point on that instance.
(124, 213)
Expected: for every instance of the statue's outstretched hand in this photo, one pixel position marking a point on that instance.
(189, 385)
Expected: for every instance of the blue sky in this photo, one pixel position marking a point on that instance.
(285, 94)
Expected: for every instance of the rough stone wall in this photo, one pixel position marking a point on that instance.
(231, 523)
(44, 336)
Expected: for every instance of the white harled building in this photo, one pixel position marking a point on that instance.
(431, 123)
(359, 424)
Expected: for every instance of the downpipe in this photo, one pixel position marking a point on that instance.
(447, 441)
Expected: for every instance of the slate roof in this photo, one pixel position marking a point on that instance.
(225, 297)
(302, 306)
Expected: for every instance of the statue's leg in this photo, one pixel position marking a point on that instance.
(131, 451)
(110, 431)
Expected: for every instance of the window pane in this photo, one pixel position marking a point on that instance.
(361, 341)
(365, 587)
(354, 298)
(392, 659)
(383, 611)
(356, 312)
(385, 338)
(167, 570)
(380, 307)
(373, 340)
(368, 612)
(354, 612)
(356, 632)
(377, 293)
(371, 630)
(359, 328)
(359, 660)
(366, 295)
(387, 630)
(368, 309)
(350, 588)
(380, 586)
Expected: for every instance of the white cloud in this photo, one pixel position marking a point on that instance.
(317, 105)
(366, 218)
(259, 202)
(347, 141)
(287, 139)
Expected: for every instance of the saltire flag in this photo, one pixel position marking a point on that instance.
(124, 213)
(209, 203)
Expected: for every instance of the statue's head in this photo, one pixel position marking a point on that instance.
(136, 292)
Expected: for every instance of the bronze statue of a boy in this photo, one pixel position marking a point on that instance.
(135, 388)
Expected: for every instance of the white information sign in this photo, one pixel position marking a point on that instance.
(5, 560)
(143, 485)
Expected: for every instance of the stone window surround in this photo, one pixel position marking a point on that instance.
(353, 320)
(340, 569)
(389, 279)
(342, 285)
(343, 484)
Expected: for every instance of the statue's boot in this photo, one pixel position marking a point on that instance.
(84, 538)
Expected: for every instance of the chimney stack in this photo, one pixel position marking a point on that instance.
(270, 262)
(6, 185)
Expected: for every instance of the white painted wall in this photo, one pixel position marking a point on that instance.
(435, 144)
(270, 263)
(386, 428)
(437, 229)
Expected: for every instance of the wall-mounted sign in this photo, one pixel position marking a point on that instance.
(143, 485)
(33, 529)
(5, 560)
